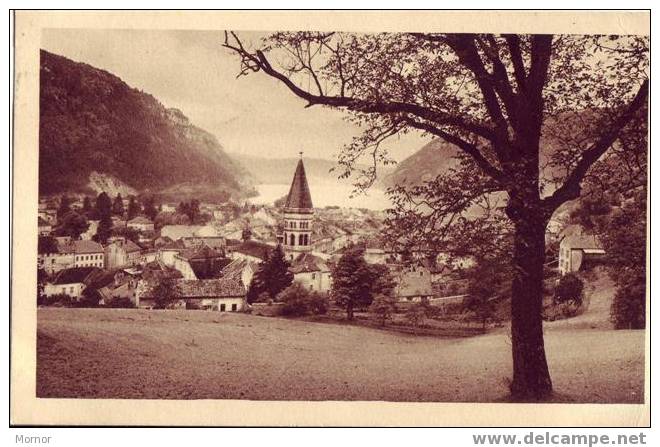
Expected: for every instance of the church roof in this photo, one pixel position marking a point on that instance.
(299, 195)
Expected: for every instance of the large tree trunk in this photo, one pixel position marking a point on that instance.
(349, 311)
(531, 378)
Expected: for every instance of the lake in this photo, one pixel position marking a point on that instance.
(324, 194)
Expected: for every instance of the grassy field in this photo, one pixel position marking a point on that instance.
(125, 353)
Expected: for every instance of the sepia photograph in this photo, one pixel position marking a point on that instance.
(329, 214)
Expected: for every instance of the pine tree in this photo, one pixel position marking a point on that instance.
(272, 276)
(133, 208)
(64, 208)
(87, 206)
(103, 206)
(352, 281)
(149, 207)
(278, 276)
(104, 230)
(118, 206)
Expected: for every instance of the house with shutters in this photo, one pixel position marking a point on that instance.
(87, 253)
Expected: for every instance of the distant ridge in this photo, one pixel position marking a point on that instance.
(92, 121)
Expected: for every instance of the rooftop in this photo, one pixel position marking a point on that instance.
(583, 241)
(211, 288)
(140, 220)
(253, 248)
(307, 262)
(299, 196)
(76, 275)
(85, 246)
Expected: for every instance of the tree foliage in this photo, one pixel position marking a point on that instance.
(299, 301)
(72, 224)
(149, 207)
(570, 289)
(190, 209)
(103, 206)
(64, 207)
(272, 276)
(47, 245)
(118, 206)
(352, 281)
(133, 208)
(530, 115)
(165, 293)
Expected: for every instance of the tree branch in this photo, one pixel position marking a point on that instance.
(570, 189)
(513, 42)
(258, 61)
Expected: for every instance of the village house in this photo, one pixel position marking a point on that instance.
(221, 294)
(54, 262)
(122, 253)
(376, 252)
(113, 284)
(240, 269)
(158, 271)
(44, 227)
(576, 250)
(149, 255)
(413, 284)
(71, 281)
(249, 250)
(176, 232)
(167, 251)
(141, 224)
(87, 253)
(200, 262)
(168, 208)
(48, 215)
(215, 242)
(312, 272)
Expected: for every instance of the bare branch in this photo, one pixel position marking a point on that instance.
(571, 187)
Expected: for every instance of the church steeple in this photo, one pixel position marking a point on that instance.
(299, 196)
(298, 215)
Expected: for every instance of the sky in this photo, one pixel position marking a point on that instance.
(190, 71)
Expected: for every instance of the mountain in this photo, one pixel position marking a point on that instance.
(280, 170)
(425, 164)
(93, 126)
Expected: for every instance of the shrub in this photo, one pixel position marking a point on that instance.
(264, 297)
(570, 289)
(416, 314)
(299, 301)
(629, 305)
(384, 306)
(318, 303)
(59, 300)
(120, 303)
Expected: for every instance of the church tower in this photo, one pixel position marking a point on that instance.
(298, 215)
